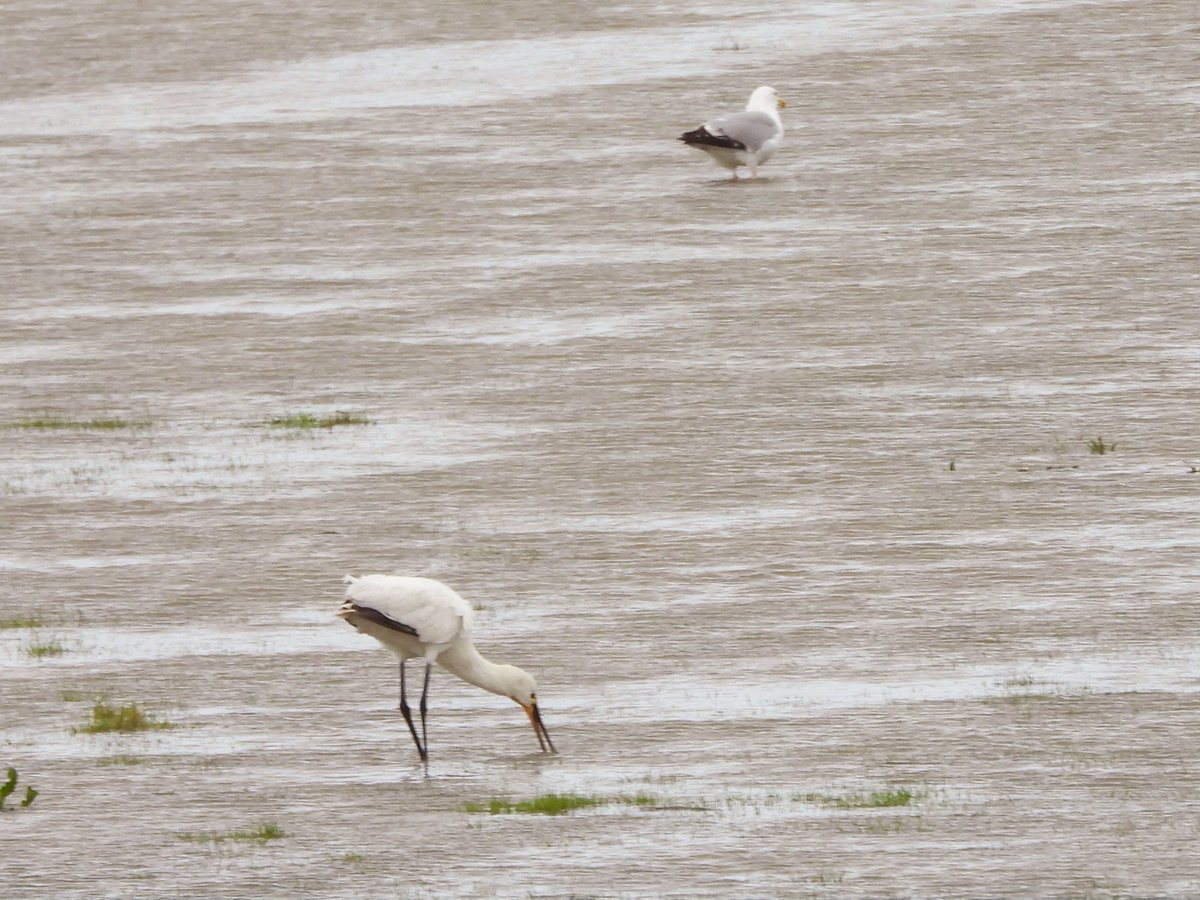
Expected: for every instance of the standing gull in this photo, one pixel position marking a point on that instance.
(747, 138)
(419, 618)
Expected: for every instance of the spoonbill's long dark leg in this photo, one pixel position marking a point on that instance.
(424, 706)
(407, 713)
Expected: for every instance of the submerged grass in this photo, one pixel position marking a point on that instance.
(268, 831)
(34, 618)
(1097, 446)
(124, 719)
(553, 804)
(308, 420)
(47, 423)
(1026, 689)
(1018, 697)
(123, 760)
(42, 649)
(1020, 681)
(873, 800)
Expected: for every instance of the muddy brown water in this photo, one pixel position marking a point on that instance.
(782, 489)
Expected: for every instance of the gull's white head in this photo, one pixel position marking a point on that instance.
(765, 99)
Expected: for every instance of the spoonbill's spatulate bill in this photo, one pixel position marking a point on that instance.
(747, 138)
(419, 618)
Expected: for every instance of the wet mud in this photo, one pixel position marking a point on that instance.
(847, 517)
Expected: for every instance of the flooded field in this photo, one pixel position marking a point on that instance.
(847, 517)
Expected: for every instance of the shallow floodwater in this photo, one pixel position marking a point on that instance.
(782, 489)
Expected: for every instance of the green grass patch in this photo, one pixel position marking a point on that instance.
(308, 420)
(26, 621)
(1097, 447)
(268, 831)
(51, 423)
(873, 800)
(553, 804)
(123, 719)
(545, 805)
(10, 785)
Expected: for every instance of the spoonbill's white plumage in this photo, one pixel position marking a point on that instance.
(419, 618)
(747, 138)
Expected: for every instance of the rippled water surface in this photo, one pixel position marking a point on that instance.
(786, 490)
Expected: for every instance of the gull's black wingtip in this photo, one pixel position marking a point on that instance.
(702, 137)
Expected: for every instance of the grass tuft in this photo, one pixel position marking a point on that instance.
(8, 786)
(125, 719)
(268, 831)
(308, 420)
(1097, 447)
(25, 621)
(873, 800)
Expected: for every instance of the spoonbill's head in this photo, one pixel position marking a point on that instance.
(523, 689)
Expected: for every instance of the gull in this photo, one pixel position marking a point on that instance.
(420, 618)
(747, 138)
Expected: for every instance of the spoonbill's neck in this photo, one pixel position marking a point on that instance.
(467, 663)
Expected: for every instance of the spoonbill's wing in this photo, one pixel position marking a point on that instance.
(420, 606)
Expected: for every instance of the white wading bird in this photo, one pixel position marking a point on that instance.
(419, 618)
(747, 138)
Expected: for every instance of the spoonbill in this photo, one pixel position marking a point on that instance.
(420, 618)
(747, 138)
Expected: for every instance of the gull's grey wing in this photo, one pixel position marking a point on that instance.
(750, 129)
